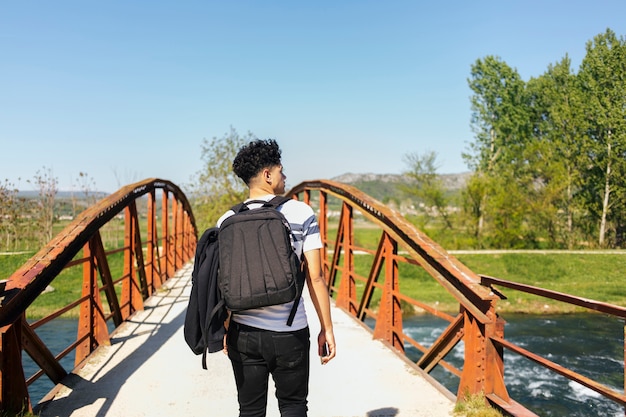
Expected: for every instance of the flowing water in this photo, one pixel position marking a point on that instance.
(591, 344)
(57, 335)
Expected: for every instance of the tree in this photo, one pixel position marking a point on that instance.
(554, 154)
(9, 215)
(216, 188)
(603, 83)
(46, 185)
(500, 121)
(499, 115)
(87, 186)
(427, 185)
(549, 156)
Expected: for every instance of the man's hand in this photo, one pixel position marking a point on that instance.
(326, 346)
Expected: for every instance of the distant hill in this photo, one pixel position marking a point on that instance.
(64, 194)
(389, 186)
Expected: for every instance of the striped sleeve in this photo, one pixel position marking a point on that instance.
(304, 226)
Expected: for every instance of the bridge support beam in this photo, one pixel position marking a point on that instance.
(483, 370)
(166, 244)
(92, 327)
(346, 297)
(13, 390)
(153, 271)
(389, 321)
(323, 225)
(132, 299)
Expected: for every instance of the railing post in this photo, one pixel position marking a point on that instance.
(346, 296)
(13, 390)
(186, 236)
(181, 237)
(189, 237)
(473, 376)
(166, 256)
(92, 327)
(389, 321)
(131, 294)
(138, 252)
(495, 358)
(152, 277)
(483, 369)
(176, 237)
(307, 197)
(323, 225)
(107, 279)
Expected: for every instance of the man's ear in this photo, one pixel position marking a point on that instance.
(266, 175)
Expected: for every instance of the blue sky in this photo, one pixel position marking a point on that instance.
(126, 90)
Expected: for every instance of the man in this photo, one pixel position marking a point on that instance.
(259, 342)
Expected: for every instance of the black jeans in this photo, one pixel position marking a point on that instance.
(255, 354)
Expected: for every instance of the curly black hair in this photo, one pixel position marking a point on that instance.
(254, 157)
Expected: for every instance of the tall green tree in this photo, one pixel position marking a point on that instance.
(216, 188)
(603, 83)
(499, 115)
(426, 184)
(554, 153)
(549, 156)
(500, 122)
(473, 217)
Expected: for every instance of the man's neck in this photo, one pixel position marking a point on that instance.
(259, 192)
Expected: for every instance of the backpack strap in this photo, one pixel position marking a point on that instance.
(275, 202)
(279, 200)
(217, 312)
(300, 286)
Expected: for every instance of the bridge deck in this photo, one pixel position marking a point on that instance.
(149, 371)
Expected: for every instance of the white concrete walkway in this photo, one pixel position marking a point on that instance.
(150, 371)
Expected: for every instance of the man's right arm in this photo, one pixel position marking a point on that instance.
(321, 301)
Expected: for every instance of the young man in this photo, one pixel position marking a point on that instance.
(259, 342)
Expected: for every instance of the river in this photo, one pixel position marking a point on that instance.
(591, 344)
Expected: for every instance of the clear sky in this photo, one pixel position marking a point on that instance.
(126, 90)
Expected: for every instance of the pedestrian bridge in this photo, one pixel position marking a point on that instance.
(149, 370)
(132, 281)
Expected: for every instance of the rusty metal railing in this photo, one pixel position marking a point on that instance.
(149, 258)
(145, 257)
(477, 325)
(592, 305)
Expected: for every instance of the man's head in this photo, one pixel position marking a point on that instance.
(258, 164)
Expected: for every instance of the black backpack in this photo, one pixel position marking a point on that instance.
(258, 266)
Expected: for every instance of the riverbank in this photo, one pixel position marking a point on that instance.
(594, 275)
(508, 307)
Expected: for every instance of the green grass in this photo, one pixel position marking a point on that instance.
(593, 276)
(9, 263)
(596, 276)
(475, 406)
(67, 285)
